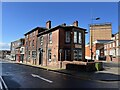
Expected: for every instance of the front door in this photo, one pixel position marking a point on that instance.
(40, 57)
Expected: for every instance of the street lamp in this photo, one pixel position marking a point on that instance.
(91, 36)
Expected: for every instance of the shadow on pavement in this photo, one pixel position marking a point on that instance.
(11, 84)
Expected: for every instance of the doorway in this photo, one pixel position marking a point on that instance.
(40, 56)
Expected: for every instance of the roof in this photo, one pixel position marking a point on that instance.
(37, 28)
(59, 26)
(18, 40)
(102, 41)
(101, 24)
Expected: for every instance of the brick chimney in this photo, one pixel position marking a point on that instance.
(48, 24)
(75, 23)
(64, 24)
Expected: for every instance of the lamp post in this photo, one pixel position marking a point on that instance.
(91, 36)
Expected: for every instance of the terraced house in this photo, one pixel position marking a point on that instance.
(31, 44)
(61, 43)
(48, 46)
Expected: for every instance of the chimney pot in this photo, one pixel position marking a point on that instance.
(75, 23)
(64, 24)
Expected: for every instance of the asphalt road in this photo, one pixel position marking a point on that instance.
(26, 77)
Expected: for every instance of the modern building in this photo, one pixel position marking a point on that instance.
(97, 50)
(31, 44)
(4, 53)
(17, 50)
(60, 43)
(112, 48)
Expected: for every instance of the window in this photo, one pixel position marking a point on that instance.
(67, 54)
(34, 33)
(79, 40)
(41, 40)
(30, 34)
(113, 44)
(50, 37)
(110, 45)
(77, 54)
(26, 36)
(67, 37)
(49, 55)
(29, 54)
(75, 37)
(33, 54)
(33, 43)
(117, 43)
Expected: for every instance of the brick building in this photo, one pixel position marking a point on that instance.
(31, 44)
(4, 53)
(97, 50)
(112, 48)
(99, 33)
(17, 50)
(60, 43)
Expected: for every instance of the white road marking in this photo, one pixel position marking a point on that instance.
(42, 78)
(2, 81)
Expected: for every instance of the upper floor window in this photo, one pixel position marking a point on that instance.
(41, 40)
(67, 40)
(33, 43)
(26, 36)
(49, 55)
(33, 54)
(75, 37)
(79, 40)
(50, 37)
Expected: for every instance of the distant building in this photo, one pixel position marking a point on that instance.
(97, 50)
(99, 34)
(17, 50)
(4, 53)
(112, 48)
(100, 31)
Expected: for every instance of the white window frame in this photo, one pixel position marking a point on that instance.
(79, 38)
(75, 36)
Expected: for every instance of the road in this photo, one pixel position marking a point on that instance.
(22, 77)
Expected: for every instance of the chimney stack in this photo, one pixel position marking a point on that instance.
(48, 24)
(75, 23)
(64, 24)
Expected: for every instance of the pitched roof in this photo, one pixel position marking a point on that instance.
(59, 26)
(37, 28)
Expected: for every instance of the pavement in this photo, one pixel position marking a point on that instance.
(108, 74)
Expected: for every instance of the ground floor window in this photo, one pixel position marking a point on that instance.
(49, 55)
(77, 54)
(67, 54)
(33, 54)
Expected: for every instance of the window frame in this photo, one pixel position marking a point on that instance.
(50, 38)
(49, 55)
(66, 37)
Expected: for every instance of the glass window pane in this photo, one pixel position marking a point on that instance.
(75, 37)
(79, 37)
(67, 37)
